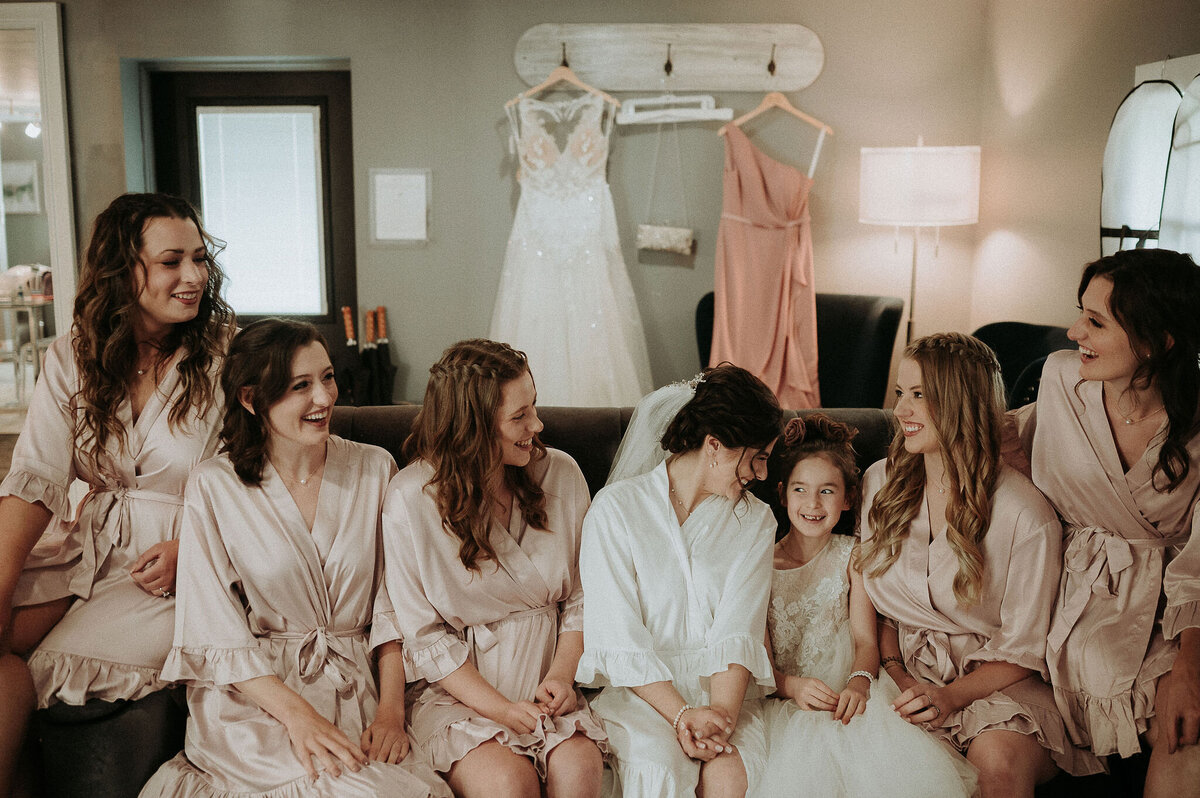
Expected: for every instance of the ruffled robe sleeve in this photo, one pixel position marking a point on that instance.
(737, 634)
(1181, 584)
(43, 462)
(214, 644)
(432, 650)
(570, 609)
(1031, 582)
(618, 648)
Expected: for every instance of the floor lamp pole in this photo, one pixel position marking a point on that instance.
(912, 289)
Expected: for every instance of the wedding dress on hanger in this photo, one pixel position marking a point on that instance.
(565, 298)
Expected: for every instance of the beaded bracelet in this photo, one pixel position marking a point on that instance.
(869, 677)
(889, 660)
(678, 715)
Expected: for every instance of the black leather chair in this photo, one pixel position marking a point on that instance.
(1018, 346)
(855, 337)
(108, 749)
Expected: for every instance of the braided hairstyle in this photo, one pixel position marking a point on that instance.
(456, 433)
(818, 435)
(964, 395)
(730, 404)
(1156, 300)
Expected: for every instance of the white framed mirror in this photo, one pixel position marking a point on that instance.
(33, 115)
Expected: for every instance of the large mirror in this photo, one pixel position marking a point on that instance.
(36, 220)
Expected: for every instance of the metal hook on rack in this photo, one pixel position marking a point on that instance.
(771, 63)
(564, 56)
(667, 67)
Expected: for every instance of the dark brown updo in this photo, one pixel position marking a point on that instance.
(730, 404)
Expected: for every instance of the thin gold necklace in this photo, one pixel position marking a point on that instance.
(302, 481)
(1129, 420)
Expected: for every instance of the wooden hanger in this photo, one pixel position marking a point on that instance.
(776, 99)
(563, 74)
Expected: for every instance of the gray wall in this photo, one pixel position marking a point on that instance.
(28, 233)
(1034, 82)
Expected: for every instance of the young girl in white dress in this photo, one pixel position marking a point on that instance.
(833, 733)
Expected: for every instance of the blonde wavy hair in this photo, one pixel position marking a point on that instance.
(455, 432)
(964, 394)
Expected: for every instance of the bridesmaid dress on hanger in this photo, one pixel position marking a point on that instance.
(765, 315)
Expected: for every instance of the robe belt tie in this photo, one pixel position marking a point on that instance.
(1095, 561)
(480, 637)
(931, 648)
(321, 652)
(105, 512)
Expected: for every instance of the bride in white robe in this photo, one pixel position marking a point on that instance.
(676, 567)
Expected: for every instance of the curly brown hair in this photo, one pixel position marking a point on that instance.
(106, 306)
(964, 393)
(260, 358)
(818, 434)
(455, 432)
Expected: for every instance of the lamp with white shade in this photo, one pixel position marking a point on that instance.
(919, 187)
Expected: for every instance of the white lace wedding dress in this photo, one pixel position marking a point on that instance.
(565, 297)
(877, 753)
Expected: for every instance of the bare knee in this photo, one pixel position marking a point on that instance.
(723, 777)
(574, 768)
(1009, 763)
(493, 770)
(1173, 775)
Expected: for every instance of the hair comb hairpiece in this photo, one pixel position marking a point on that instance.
(693, 382)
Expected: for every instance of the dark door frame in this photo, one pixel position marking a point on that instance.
(174, 97)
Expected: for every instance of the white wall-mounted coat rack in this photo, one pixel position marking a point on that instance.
(709, 57)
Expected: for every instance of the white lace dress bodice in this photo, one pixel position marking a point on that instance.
(565, 298)
(809, 616)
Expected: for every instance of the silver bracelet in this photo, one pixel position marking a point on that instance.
(868, 676)
(678, 715)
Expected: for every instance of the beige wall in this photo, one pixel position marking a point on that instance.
(1034, 81)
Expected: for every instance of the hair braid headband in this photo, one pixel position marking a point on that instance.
(957, 345)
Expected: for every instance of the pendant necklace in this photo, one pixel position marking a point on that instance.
(303, 480)
(676, 498)
(1129, 420)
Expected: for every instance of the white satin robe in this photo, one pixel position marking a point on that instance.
(673, 603)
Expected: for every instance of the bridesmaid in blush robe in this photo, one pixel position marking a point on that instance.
(280, 604)
(127, 403)
(482, 535)
(961, 556)
(1115, 445)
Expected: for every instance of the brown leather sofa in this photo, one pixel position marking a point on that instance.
(82, 746)
(589, 434)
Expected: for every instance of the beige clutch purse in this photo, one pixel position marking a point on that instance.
(666, 239)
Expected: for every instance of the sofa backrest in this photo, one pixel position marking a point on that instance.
(591, 434)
